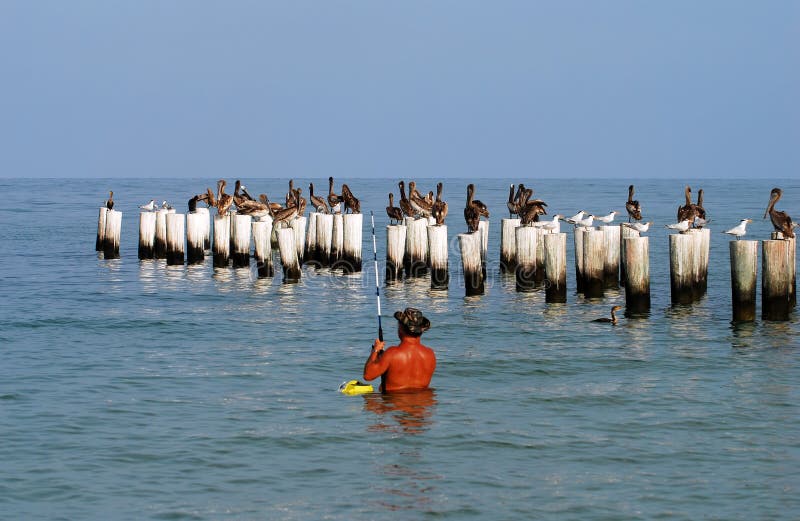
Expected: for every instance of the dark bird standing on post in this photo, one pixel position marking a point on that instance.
(633, 207)
(316, 201)
(405, 204)
(439, 207)
(350, 201)
(688, 211)
(530, 210)
(224, 201)
(780, 220)
(333, 199)
(110, 202)
(472, 214)
(394, 213)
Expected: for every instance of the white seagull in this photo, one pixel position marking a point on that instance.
(739, 230)
(586, 222)
(552, 226)
(639, 227)
(575, 218)
(699, 222)
(681, 226)
(606, 218)
(165, 206)
(149, 206)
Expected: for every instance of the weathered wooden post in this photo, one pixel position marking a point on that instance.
(702, 239)
(161, 234)
(351, 238)
(539, 273)
(196, 223)
(395, 251)
(222, 242)
(288, 250)
(415, 261)
(577, 238)
(526, 258)
(205, 226)
(310, 255)
(437, 249)
(508, 245)
(744, 277)
(299, 226)
(483, 229)
(470, 244)
(337, 242)
(611, 236)
(626, 232)
(101, 229)
(681, 267)
(176, 228)
(324, 238)
(593, 262)
(555, 267)
(241, 241)
(147, 234)
(776, 279)
(637, 275)
(111, 234)
(262, 231)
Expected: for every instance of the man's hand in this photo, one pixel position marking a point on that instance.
(377, 346)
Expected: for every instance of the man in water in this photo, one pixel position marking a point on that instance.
(407, 366)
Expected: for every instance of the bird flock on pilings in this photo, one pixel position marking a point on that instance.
(520, 203)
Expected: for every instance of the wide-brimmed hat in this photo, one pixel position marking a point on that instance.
(413, 320)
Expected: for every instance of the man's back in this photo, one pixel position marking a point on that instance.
(407, 366)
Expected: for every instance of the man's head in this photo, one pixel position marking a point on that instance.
(411, 322)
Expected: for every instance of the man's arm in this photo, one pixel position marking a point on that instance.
(377, 363)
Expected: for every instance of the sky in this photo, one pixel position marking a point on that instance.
(437, 88)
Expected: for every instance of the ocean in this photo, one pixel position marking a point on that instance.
(133, 390)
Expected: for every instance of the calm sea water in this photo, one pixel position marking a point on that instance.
(133, 390)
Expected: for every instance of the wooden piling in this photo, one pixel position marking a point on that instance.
(626, 232)
(352, 240)
(744, 276)
(161, 234)
(470, 244)
(205, 226)
(324, 238)
(577, 238)
(147, 235)
(222, 243)
(681, 267)
(555, 267)
(637, 275)
(539, 274)
(508, 245)
(777, 259)
(196, 223)
(310, 255)
(437, 249)
(526, 240)
(241, 241)
(288, 251)
(262, 231)
(101, 229)
(593, 262)
(483, 229)
(337, 241)
(611, 236)
(395, 251)
(111, 234)
(415, 261)
(176, 227)
(298, 224)
(702, 239)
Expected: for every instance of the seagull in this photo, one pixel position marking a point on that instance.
(739, 230)
(165, 206)
(577, 217)
(681, 226)
(699, 222)
(606, 218)
(149, 206)
(639, 227)
(552, 226)
(585, 222)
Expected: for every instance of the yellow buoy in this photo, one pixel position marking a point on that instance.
(355, 387)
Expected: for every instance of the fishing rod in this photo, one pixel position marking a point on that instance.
(377, 283)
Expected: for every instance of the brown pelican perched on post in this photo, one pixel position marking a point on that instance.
(439, 207)
(633, 207)
(405, 204)
(472, 214)
(333, 199)
(421, 205)
(275, 206)
(780, 220)
(530, 210)
(698, 208)
(316, 201)
(223, 200)
(394, 213)
(613, 320)
(279, 215)
(688, 211)
(194, 200)
(110, 202)
(483, 210)
(512, 204)
(350, 201)
(299, 201)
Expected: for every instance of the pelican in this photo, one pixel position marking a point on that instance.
(681, 226)
(420, 204)
(224, 201)
(607, 219)
(439, 207)
(483, 210)
(529, 211)
(194, 200)
(639, 227)
(350, 201)
(553, 226)
(633, 207)
(394, 213)
(471, 213)
(282, 215)
(243, 188)
(333, 199)
(780, 220)
(698, 208)
(405, 204)
(149, 207)
(740, 229)
(316, 201)
(575, 218)
(110, 202)
(613, 319)
(687, 211)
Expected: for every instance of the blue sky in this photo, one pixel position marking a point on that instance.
(390, 89)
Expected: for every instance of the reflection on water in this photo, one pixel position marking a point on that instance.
(402, 412)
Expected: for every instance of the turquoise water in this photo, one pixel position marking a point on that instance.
(133, 390)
